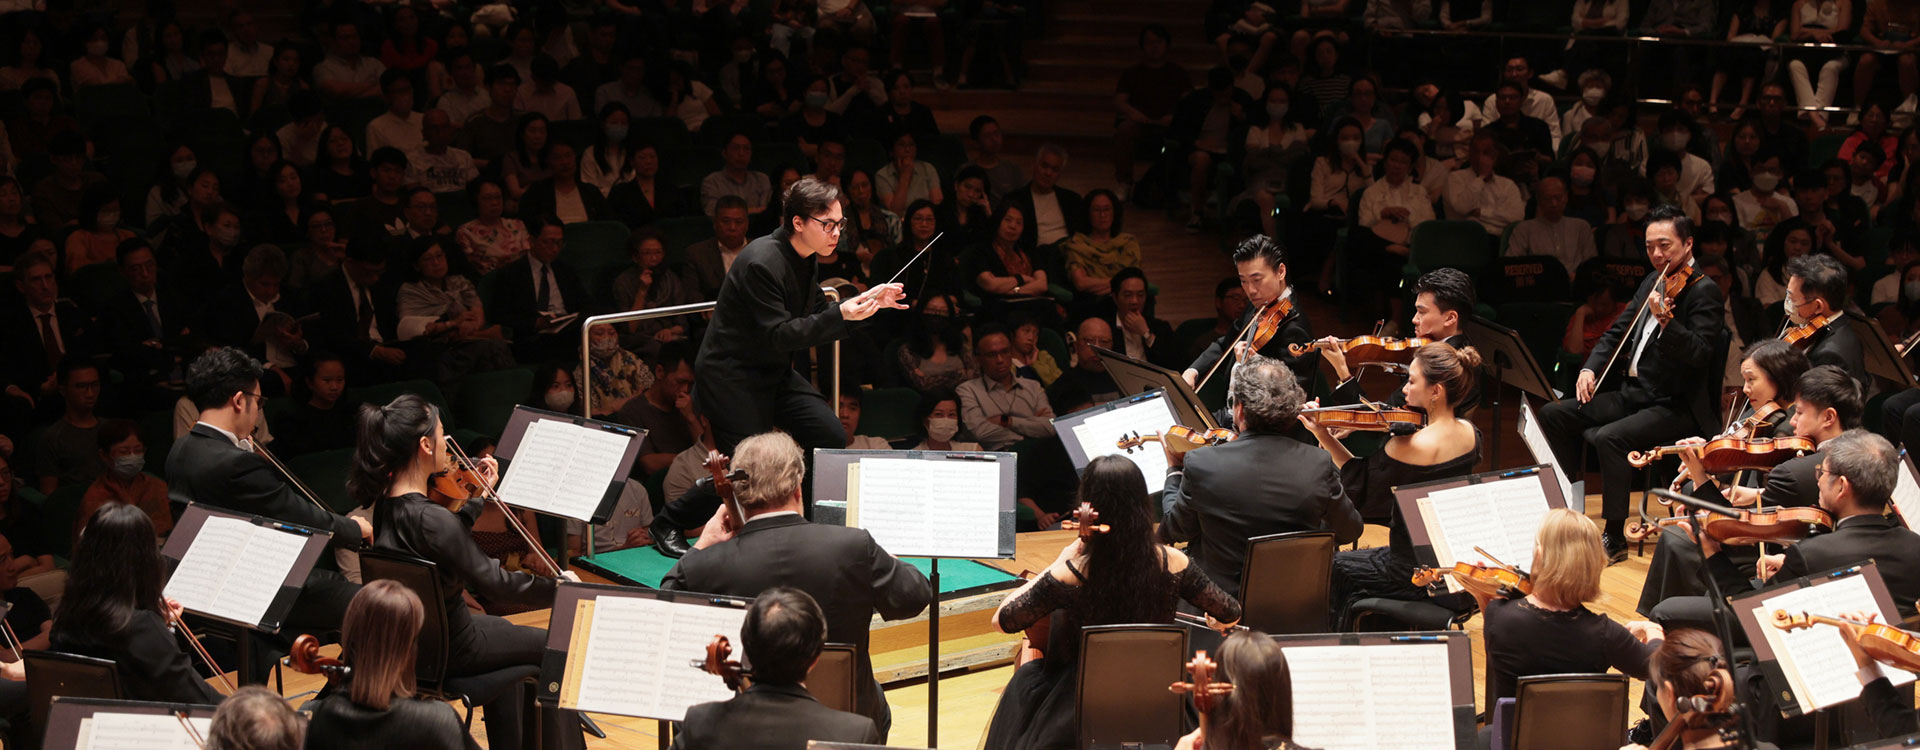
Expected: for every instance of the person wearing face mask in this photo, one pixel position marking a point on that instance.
(934, 355)
(1594, 85)
(1696, 175)
(938, 415)
(99, 232)
(1663, 169)
(94, 67)
(1276, 143)
(1585, 199)
(125, 480)
(1764, 206)
(1817, 288)
(615, 374)
(205, 269)
(1624, 238)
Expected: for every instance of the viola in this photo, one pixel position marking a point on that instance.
(735, 676)
(1361, 349)
(1178, 438)
(1725, 455)
(1801, 335)
(1367, 417)
(1885, 643)
(718, 464)
(1205, 689)
(1674, 279)
(1752, 526)
(1493, 581)
(304, 657)
(1263, 325)
(453, 486)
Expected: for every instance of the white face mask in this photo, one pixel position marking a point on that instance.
(1593, 96)
(1350, 148)
(560, 400)
(1636, 211)
(1582, 176)
(97, 49)
(1277, 111)
(1676, 140)
(1765, 181)
(184, 169)
(1911, 289)
(942, 429)
(604, 348)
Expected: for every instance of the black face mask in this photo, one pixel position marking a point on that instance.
(936, 323)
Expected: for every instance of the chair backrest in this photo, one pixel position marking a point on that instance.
(888, 412)
(1524, 278)
(1450, 244)
(1123, 677)
(325, 472)
(52, 673)
(594, 245)
(1283, 584)
(832, 679)
(419, 575)
(1570, 711)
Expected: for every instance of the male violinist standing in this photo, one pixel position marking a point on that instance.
(1669, 350)
(1262, 266)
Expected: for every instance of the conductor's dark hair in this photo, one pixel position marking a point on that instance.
(807, 197)
(220, 373)
(1829, 387)
(782, 635)
(255, 718)
(1452, 289)
(1672, 214)
(1783, 364)
(1823, 276)
(1124, 577)
(1261, 246)
(389, 437)
(115, 575)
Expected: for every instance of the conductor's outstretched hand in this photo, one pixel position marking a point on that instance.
(881, 297)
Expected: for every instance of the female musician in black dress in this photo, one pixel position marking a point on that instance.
(113, 610)
(1258, 713)
(380, 638)
(1438, 381)
(1121, 576)
(401, 447)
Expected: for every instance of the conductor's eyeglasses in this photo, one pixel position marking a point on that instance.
(833, 226)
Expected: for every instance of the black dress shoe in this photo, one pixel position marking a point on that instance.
(669, 541)
(1616, 548)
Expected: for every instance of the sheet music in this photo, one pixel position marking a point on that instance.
(638, 654)
(110, 731)
(1366, 697)
(1099, 434)
(930, 508)
(1501, 516)
(1536, 440)
(1815, 660)
(234, 569)
(563, 469)
(1906, 494)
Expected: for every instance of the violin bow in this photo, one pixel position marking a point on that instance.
(193, 732)
(1237, 338)
(489, 493)
(201, 649)
(1623, 343)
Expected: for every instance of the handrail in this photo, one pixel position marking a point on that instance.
(1639, 38)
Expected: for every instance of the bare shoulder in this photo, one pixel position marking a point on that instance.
(1176, 560)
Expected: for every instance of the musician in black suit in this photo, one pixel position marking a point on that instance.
(40, 329)
(1817, 287)
(1666, 354)
(1263, 482)
(782, 637)
(536, 289)
(214, 466)
(147, 323)
(1442, 300)
(1262, 266)
(838, 566)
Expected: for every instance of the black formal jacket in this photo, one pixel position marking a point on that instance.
(1836, 345)
(841, 568)
(1854, 540)
(151, 664)
(339, 323)
(772, 717)
(230, 320)
(770, 307)
(410, 723)
(1072, 207)
(1793, 483)
(25, 363)
(1260, 484)
(1164, 351)
(1682, 363)
(1348, 391)
(128, 332)
(539, 201)
(628, 204)
(515, 303)
(1295, 330)
(205, 467)
(413, 525)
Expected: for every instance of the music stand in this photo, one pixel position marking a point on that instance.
(1535, 438)
(1307, 672)
(148, 724)
(227, 582)
(1514, 499)
(567, 492)
(1882, 359)
(1513, 363)
(679, 625)
(1773, 652)
(1095, 431)
(1906, 492)
(1135, 376)
(922, 504)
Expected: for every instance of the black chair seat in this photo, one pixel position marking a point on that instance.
(481, 689)
(1414, 615)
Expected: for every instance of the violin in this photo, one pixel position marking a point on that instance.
(1725, 455)
(717, 663)
(1204, 688)
(1085, 520)
(1800, 335)
(453, 486)
(1673, 282)
(718, 464)
(1492, 580)
(1361, 349)
(1178, 438)
(1367, 417)
(1885, 643)
(1264, 324)
(304, 657)
(1772, 525)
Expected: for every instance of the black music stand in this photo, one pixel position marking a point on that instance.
(1134, 377)
(1767, 661)
(66, 714)
(1883, 360)
(510, 444)
(1408, 497)
(1503, 351)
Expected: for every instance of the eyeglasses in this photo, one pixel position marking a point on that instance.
(832, 226)
(259, 399)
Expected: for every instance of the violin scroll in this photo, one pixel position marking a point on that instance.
(1204, 688)
(717, 663)
(1086, 520)
(304, 657)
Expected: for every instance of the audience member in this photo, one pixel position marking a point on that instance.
(665, 409)
(998, 408)
(709, 260)
(1144, 103)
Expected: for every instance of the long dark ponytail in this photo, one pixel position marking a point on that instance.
(388, 437)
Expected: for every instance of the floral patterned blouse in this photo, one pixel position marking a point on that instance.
(617, 377)
(490, 247)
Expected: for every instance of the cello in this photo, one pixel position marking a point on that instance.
(1085, 521)
(1203, 687)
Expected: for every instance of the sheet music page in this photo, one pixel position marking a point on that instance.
(931, 508)
(1536, 440)
(110, 731)
(1501, 516)
(1099, 434)
(1815, 660)
(563, 469)
(1366, 697)
(639, 652)
(1906, 494)
(234, 569)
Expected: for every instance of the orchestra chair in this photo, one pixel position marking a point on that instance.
(1403, 615)
(1566, 711)
(1122, 681)
(52, 673)
(831, 680)
(1284, 582)
(419, 575)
